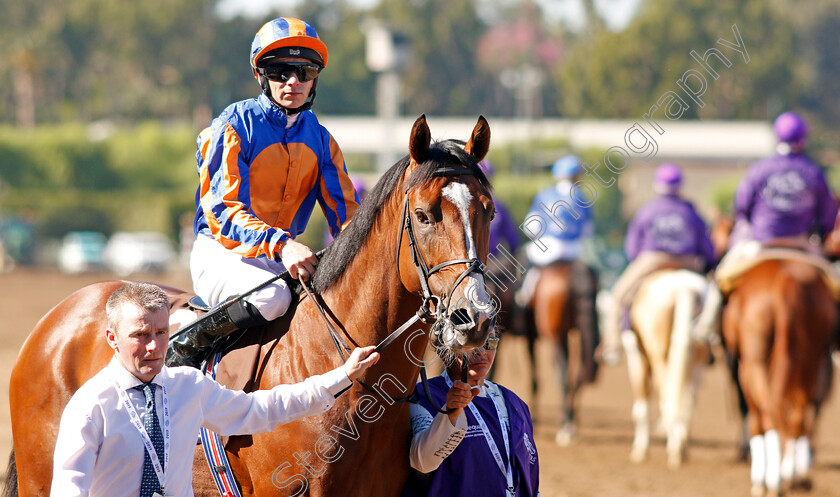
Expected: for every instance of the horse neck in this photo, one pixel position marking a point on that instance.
(369, 299)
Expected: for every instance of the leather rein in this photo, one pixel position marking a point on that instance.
(437, 317)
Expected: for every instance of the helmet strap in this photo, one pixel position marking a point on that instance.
(306, 105)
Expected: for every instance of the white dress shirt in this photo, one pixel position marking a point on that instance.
(100, 453)
(434, 439)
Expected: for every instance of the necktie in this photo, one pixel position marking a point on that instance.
(150, 484)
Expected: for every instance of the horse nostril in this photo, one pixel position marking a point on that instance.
(461, 317)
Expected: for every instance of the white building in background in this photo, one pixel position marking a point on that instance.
(702, 139)
(711, 152)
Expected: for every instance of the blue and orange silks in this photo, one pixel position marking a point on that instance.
(259, 181)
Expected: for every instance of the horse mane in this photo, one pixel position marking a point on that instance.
(347, 244)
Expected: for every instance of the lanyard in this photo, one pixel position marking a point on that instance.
(147, 441)
(508, 471)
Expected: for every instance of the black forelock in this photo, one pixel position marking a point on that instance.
(339, 254)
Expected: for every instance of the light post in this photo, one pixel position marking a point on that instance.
(387, 53)
(524, 82)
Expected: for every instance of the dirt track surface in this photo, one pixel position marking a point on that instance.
(596, 465)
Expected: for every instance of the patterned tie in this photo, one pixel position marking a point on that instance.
(150, 483)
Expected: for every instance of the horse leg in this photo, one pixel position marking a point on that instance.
(765, 445)
(797, 460)
(638, 370)
(567, 430)
(584, 289)
(744, 443)
(529, 325)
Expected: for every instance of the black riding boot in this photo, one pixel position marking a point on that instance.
(189, 347)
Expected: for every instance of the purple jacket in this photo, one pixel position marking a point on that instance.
(668, 224)
(502, 228)
(473, 455)
(785, 196)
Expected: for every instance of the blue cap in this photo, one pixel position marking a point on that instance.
(566, 167)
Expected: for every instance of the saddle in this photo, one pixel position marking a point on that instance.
(731, 273)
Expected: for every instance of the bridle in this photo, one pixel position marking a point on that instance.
(424, 273)
(436, 317)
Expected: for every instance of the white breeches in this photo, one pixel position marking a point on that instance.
(219, 274)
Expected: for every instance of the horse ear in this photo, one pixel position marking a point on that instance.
(421, 138)
(479, 142)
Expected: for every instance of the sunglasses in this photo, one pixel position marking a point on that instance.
(492, 343)
(283, 71)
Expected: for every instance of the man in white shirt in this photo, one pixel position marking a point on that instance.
(108, 442)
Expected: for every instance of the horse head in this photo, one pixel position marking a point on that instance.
(444, 238)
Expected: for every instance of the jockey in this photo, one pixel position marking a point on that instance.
(569, 224)
(779, 202)
(502, 229)
(666, 232)
(262, 165)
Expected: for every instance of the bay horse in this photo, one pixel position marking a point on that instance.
(416, 240)
(777, 325)
(556, 308)
(668, 352)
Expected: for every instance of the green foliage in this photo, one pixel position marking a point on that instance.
(442, 77)
(624, 74)
(136, 178)
(53, 158)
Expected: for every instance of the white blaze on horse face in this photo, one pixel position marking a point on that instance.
(460, 196)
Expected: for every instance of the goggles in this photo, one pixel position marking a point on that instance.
(282, 71)
(492, 343)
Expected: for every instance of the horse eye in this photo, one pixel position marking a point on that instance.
(493, 215)
(421, 217)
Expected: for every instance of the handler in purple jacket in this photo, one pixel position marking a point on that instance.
(489, 434)
(666, 231)
(780, 201)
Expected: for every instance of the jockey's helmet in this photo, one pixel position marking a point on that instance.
(287, 37)
(566, 167)
(667, 179)
(790, 128)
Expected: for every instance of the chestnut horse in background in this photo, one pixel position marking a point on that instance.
(554, 311)
(777, 327)
(667, 348)
(433, 207)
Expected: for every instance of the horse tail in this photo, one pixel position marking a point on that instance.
(788, 309)
(679, 356)
(10, 489)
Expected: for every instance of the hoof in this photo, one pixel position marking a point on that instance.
(638, 456)
(564, 436)
(675, 461)
(802, 484)
(611, 357)
(743, 454)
